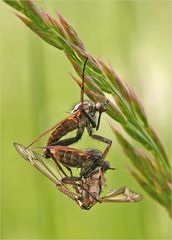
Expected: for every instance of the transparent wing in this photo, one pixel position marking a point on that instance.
(69, 149)
(56, 126)
(45, 166)
(120, 195)
(49, 168)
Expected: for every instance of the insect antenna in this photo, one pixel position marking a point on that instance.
(83, 82)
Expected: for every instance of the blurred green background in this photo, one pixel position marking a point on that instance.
(37, 91)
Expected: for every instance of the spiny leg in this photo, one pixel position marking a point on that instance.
(100, 138)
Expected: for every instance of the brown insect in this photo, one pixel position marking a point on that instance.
(87, 192)
(89, 161)
(82, 116)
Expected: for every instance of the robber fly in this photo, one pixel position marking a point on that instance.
(87, 192)
(89, 161)
(82, 116)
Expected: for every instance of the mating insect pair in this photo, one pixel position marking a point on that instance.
(87, 192)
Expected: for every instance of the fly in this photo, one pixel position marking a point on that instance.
(85, 193)
(88, 161)
(82, 116)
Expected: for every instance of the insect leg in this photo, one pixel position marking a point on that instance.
(72, 181)
(69, 169)
(90, 118)
(59, 166)
(100, 138)
(106, 150)
(105, 140)
(66, 142)
(85, 173)
(69, 141)
(88, 172)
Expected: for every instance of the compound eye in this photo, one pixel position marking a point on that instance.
(105, 166)
(100, 107)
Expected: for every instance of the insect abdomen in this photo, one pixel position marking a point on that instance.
(67, 157)
(62, 130)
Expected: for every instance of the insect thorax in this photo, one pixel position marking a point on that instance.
(94, 158)
(88, 107)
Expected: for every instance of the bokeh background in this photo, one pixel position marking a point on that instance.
(37, 91)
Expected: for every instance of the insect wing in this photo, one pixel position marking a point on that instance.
(45, 166)
(53, 149)
(54, 127)
(48, 168)
(120, 195)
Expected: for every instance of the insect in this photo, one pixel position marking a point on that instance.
(82, 116)
(89, 161)
(91, 189)
(87, 192)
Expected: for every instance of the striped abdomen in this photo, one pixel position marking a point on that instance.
(61, 130)
(67, 157)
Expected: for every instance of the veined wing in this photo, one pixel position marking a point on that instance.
(68, 149)
(55, 126)
(123, 194)
(46, 166)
